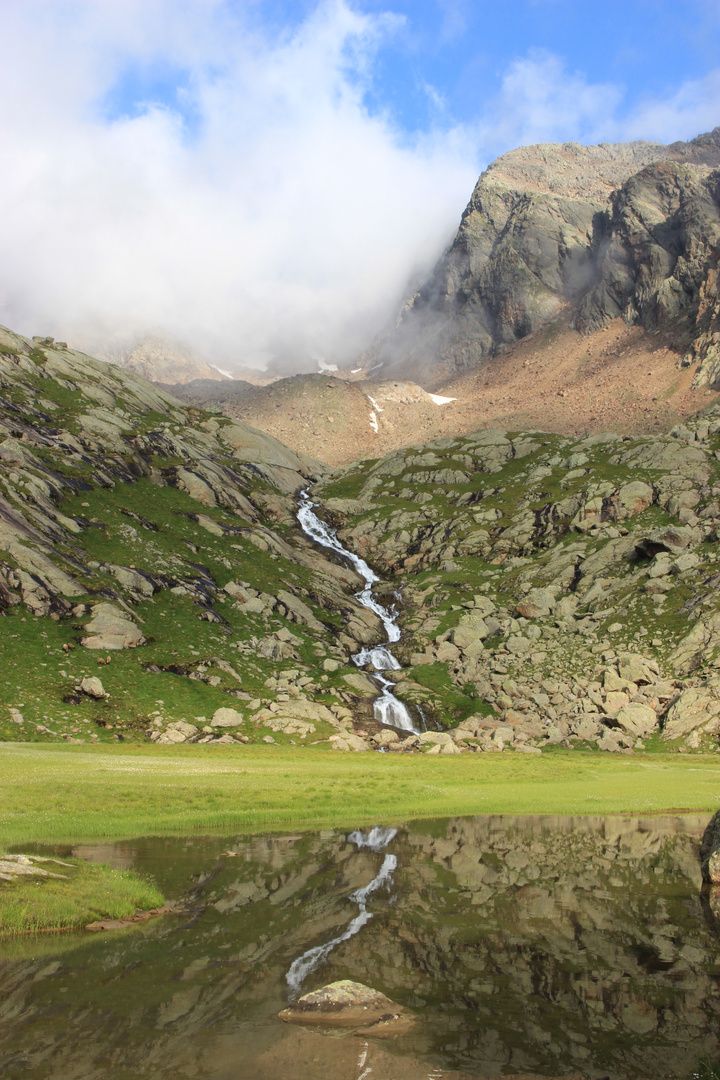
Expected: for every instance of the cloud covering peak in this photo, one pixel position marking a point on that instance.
(265, 211)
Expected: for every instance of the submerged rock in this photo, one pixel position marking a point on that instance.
(350, 1005)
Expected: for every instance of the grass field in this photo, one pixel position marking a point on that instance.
(74, 793)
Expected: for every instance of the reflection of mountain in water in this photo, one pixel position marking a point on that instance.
(543, 945)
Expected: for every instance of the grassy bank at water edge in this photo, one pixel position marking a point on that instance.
(73, 793)
(78, 893)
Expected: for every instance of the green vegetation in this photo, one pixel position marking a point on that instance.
(85, 893)
(71, 793)
(707, 1071)
(457, 703)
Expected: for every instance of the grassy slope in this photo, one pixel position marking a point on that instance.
(71, 793)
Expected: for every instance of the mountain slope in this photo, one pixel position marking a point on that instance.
(558, 590)
(154, 582)
(155, 546)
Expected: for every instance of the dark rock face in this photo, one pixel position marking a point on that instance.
(625, 229)
(658, 251)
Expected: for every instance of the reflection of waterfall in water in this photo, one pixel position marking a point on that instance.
(377, 839)
(387, 708)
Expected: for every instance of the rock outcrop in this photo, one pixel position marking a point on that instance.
(627, 229)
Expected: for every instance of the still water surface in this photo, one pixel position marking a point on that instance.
(536, 945)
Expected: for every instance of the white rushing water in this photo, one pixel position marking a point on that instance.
(387, 709)
(376, 840)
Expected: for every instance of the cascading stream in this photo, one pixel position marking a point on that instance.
(376, 840)
(387, 708)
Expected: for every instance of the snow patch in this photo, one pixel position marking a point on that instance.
(374, 423)
(227, 374)
(323, 365)
(441, 400)
(374, 404)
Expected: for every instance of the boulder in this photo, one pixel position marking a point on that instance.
(351, 1006)
(437, 737)
(226, 718)
(469, 632)
(661, 565)
(633, 498)
(448, 653)
(110, 628)
(700, 646)
(613, 683)
(361, 684)
(671, 539)
(518, 645)
(609, 743)
(171, 736)
(299, 611)
(588, 727)
(614, 702)
(694, 707)
(537, 604)
(182, 726)
(638, 720)
(688, 561)
(348, 741)
(386, 737)
(131, 579)
(93, 688)
(636, 669)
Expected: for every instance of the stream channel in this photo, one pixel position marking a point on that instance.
(387, 708)
(525, 946)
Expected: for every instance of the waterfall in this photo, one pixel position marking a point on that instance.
(387, 708)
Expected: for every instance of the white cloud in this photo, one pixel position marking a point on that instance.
(688, 111)
(269, 213)
(288, 224)
(541, 101)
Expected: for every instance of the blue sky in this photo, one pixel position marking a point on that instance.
(440, 62)
(268, 178)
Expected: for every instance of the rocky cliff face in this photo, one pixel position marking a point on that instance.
(658, 249)
(549, 224)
